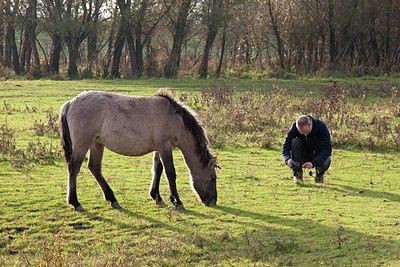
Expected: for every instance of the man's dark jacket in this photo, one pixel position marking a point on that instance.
(317, 142)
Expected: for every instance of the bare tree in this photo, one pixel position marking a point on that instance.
(30, 38)
(80, 17)
(332, 35)
(171, 69)
(2, 29)
(212, 17)
(53, 11)
(222, 51)
(302, 36)
(11, 51)
(275, 27)
(145, 20)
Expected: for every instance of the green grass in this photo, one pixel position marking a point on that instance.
(148, 86)
(262, 217)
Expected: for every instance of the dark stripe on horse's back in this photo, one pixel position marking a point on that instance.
(191, 123)
(64, 131)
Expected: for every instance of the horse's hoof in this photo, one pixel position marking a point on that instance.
(180, 207)
(161, 203)
(116, 205)
(79, 208)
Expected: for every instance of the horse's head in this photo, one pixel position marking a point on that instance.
(204, 183)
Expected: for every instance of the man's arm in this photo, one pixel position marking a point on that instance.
(286, 147)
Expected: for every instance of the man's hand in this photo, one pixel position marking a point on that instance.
(308, 165)
(289, 163)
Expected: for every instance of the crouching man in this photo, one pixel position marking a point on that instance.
(307, 145)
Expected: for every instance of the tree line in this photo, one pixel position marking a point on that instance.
(170, 38)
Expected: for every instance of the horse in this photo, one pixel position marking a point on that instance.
(135, 126)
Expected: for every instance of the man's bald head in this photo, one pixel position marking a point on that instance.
(304, 124)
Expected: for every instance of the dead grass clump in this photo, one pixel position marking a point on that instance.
(42, 153)
(7, 139)
(40, 128)
(37, 152)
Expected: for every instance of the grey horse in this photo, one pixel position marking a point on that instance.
(134, 126)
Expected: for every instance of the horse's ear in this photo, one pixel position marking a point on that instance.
(212, 163)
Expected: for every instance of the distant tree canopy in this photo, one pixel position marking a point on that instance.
(171, 38)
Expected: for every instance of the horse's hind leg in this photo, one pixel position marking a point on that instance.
(94, 165)
(74, 165)
(155, 182)
(168, 162)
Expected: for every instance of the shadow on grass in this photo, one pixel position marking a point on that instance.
(259, 237)
(163, 238)
(327, 238)
(372, 193)
(362, 192)
(154, 223)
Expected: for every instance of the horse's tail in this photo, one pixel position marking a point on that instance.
(64, 132)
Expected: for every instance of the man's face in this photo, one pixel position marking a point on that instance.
(305, 129)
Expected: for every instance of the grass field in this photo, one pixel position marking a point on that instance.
(262, 217)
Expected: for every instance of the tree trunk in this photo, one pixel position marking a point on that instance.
(12, 46)
(222, 53)
(211, 34)
(138, 38)
(139, 57)
(7, 50)
(11, 51)
(55, 54)
(23, 53)
(279, 44)
(203, 71)
(107, 58)
(91, 50)
(132, 52)
(2, 33)
(124, 34)
(247, 53)
(72, 57)
(387, 38)
(55, 12)
(332, 37)
(372, 34)
(171, 69)
(31, 30)
(151, 62)
(119, 45)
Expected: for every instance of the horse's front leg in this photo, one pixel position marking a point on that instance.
(168, 163)
(156, 172)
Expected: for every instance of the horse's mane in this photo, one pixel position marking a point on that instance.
(191, 123)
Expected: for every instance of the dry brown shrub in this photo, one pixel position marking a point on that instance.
(262, 118)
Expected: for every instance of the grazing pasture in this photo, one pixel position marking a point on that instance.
(261, 218)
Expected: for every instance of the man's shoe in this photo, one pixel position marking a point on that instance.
(297, 172)
(319, 178)
(298, 177)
